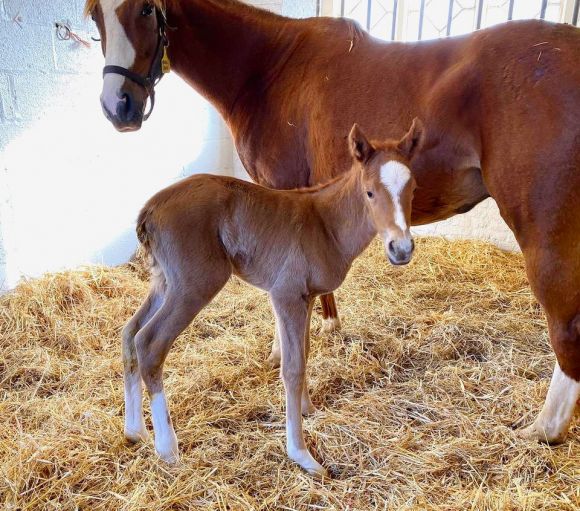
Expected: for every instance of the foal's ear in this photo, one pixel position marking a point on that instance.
(360, 148)
(412, 141)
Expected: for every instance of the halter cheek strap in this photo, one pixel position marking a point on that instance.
(159, 66)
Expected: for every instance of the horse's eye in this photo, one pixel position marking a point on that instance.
(93, 17)
(147, 10)
(370, 195)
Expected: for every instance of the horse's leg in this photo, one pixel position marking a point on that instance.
(554, 274)
(135, 429)
(292, 316)
(330, 319)
(182, 303)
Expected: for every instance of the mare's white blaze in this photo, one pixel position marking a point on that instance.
(165, 439)
(555, 417)
(395, 176)
(135, 429)
(118, 52)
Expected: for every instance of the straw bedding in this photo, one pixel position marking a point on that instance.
(417, 397)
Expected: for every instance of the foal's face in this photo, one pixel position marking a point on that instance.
(388, 185)
(129, 39)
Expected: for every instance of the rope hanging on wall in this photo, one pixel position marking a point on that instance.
(65, 33)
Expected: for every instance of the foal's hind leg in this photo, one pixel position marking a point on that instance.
(154, 340)
(135, 429)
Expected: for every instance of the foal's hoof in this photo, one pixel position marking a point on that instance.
(135, 437)
(167, 449)
(307, 408)
(330, 325)
(537, 433)
(273, 361)
(169, 457)
(308, 463)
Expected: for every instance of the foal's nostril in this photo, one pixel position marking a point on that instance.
(392, 247)
(412, 245)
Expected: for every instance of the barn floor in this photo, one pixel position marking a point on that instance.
(417, 397)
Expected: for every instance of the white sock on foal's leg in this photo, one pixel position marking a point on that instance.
(165, 438)
(552, 424)
(135, 429)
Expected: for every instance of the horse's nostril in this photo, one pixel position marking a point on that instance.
(125, 108)
(412, 244)
(392, 247)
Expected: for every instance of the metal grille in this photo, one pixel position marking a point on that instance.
(429, 19)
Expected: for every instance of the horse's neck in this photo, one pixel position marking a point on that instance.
(345, 214)
(220, 47)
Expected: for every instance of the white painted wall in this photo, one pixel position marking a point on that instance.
(70, 185)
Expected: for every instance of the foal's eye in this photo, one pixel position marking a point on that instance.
(93, 17)
(147, 10)
(370, 195)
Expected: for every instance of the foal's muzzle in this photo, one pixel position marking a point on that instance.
(400, 251)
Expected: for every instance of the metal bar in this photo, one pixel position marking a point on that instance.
(480, 13)
(421, 18)
(511, 10)
(575, 15)
(369, 8)
(342, 8)
(450, 17)
(394, 25)
(543, 9)
(318, 7)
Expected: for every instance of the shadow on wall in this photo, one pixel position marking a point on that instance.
(71, 186)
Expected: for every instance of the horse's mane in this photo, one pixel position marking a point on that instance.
(91, 4)
(161, 4)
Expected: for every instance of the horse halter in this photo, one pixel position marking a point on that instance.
(159, 66)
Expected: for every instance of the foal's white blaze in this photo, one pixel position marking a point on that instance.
(118, 52)
(554, 419)
(395, 176)
(135, 429)
(165, 439)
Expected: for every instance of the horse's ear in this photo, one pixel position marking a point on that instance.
(360, 147)
(412, 141)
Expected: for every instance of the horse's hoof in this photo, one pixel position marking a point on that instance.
(330, 325)
(135, 437)
(536, 433)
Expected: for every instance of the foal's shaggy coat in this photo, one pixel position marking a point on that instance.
(294, 244)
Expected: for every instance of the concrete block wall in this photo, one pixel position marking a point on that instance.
(70, 185)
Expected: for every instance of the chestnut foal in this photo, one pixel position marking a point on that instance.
(295, 244)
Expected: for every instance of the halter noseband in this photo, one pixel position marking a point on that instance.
(159, 67)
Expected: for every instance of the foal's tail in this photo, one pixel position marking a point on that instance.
(142, 234)
(145, 235)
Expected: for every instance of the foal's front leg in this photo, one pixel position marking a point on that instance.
(291, 316)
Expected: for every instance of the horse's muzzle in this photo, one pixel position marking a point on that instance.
(126, 114)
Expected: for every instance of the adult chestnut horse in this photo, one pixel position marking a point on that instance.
(502, 107)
